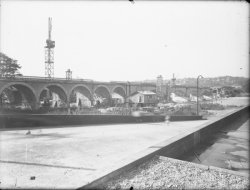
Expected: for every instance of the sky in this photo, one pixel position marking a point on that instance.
(123, 41)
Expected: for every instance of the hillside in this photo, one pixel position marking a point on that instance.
(211, 82)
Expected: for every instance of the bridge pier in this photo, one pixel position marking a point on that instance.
(68, 106)
(36, 106)
(92, 101)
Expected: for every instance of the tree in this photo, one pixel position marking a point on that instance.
(8, 67)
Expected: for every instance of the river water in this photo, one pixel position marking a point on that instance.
(227, 149)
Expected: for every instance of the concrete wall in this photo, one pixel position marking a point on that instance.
(176, 146)
(35, 120)
(185, 117)
(201, 134)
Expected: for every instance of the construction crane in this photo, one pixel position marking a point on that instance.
(49, 53)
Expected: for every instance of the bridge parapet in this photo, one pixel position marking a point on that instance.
(44, 79)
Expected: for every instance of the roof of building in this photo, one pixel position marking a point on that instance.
(116, 96)
(146, 92)
(143, 92)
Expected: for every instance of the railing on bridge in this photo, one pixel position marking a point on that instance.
(27, 78)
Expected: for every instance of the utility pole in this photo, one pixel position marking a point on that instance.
(198, 93)
(173, 84)
(49, 53)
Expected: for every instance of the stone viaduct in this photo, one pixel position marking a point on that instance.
(35, 87)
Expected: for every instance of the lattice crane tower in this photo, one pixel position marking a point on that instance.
(49, 54)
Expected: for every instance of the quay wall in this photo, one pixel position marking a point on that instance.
(173, 147)
(37, 120)
(185, 117)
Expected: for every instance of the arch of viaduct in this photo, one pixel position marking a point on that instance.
(34, 87)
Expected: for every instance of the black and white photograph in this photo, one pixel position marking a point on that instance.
(126, 94)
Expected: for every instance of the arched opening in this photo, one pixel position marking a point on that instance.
(80, 96)
(102, 97)
(53, 96)
(118, 95)
(18, 97)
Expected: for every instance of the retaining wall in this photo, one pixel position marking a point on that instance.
(173, 147)
(185, 117)
(34, 120)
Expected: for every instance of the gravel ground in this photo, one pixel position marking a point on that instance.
(168, 173)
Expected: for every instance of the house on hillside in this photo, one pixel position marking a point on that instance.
(144, 98)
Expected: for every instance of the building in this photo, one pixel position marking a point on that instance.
(159, 87)
(117, 98)
(144, 98)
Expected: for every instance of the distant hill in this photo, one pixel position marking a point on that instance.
(240, 82)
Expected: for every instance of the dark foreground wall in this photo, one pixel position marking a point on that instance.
(35, 120)
(185, 117)
(178, 145)
(204, 132)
